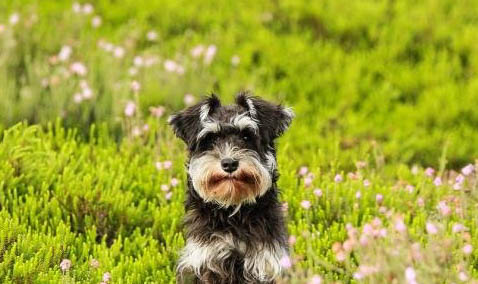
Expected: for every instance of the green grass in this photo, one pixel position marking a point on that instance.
(388, 83)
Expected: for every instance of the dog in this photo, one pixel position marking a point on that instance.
(234, 222)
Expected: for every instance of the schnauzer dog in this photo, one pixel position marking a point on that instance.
(235, 227)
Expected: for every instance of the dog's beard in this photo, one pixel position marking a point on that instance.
(248, 182)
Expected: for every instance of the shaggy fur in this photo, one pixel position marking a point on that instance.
(235, 228)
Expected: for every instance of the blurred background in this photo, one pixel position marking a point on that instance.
(396, 78)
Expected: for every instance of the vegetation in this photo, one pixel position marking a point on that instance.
(378, 170)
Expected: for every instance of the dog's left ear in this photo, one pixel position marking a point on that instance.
(188, 123)
(273, 119)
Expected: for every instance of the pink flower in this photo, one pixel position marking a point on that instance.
(138, 61)
(96, 21)
(338, 178)
(14, 19)
(460, 179)
(130, 109)
(285, 262)
(379, 198)
(308, 181)
(462, 276)
(135, 86)
(305, 204)
(170, 65)
(189, 99)
(429, 172)
(210, 53)
(77, 98)
(157, 111)
(458, 228)
(174, 182)
(410, 275)
(88, 9)
(94, 263)
(420, 202)
(76, 7)
(78, 68)
(303, 171)
(292, 240)
(467, 249)
(165, 187)
(358, 195)
(444, 208)
(431, 228)
(400, 226)
(318, 192)
(152, 36)
(235, 60)
(65, 264)
(118, 52)
(468, 169)
(316, 279)
(437, 181)
(167, 165)
(106, 277)
(197, 51)
(366, 183)
(158, 165)
(65, 53)
(410, 188)
(168, 195)
(2, 28)
(136, 131)
(341, 256)
(457, 186)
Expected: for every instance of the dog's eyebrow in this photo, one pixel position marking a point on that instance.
(243, 121)
(208, 127)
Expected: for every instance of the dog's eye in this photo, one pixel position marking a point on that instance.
(246, 136)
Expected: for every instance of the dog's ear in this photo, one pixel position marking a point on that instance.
(273, 119)
(187, 123)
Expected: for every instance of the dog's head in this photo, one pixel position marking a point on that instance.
(232, 156)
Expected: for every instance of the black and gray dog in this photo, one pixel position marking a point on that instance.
(235, 227)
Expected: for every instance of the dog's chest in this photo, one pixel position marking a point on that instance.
(260, 261)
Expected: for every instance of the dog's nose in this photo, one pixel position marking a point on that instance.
(229, 165)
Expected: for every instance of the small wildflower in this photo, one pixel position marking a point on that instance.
(458, 228)
(285, 262)
(65, 53)
(118, 52)
(65, 265)
(152, 36)
(420, 202)
(292, 240)
(136, 131)
(437, 181)
(87, 93)
(106, 277)
(170, 65)
(235, 60)
(210, 53)
(174, 182)
(135, 86)
(308, 181)
(457, 186)
(189, 99)
(462, 276)
(167, 165)
(14, 19)
(157, 111)
(130, 109)
(168, 195)
(197, 51)
(76, 7)
(94, 263)
(410, 275)
(429, 172)
(468, 169)
(400, 226)
(414, 170)
(338, 178)
(88, 9)
(366, 183)
(138, 61)
(77, 98)
(460, 179)
(379, 198)
(305, 204)
(410, 188)
(318, 192)
(444, 209)
(316, 279)
(78, 68)
(341, 256)
(164, 187)
(96, 21)
(158, 165)
(303, 171)
(358, 195)
(431, 228)
(467, 249)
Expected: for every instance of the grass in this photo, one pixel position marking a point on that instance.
(382, 91)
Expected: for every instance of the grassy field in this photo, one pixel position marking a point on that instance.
(378, 170)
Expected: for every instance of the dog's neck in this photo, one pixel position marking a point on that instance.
(258, 222)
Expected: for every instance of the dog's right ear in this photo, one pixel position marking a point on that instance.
(188, 123)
